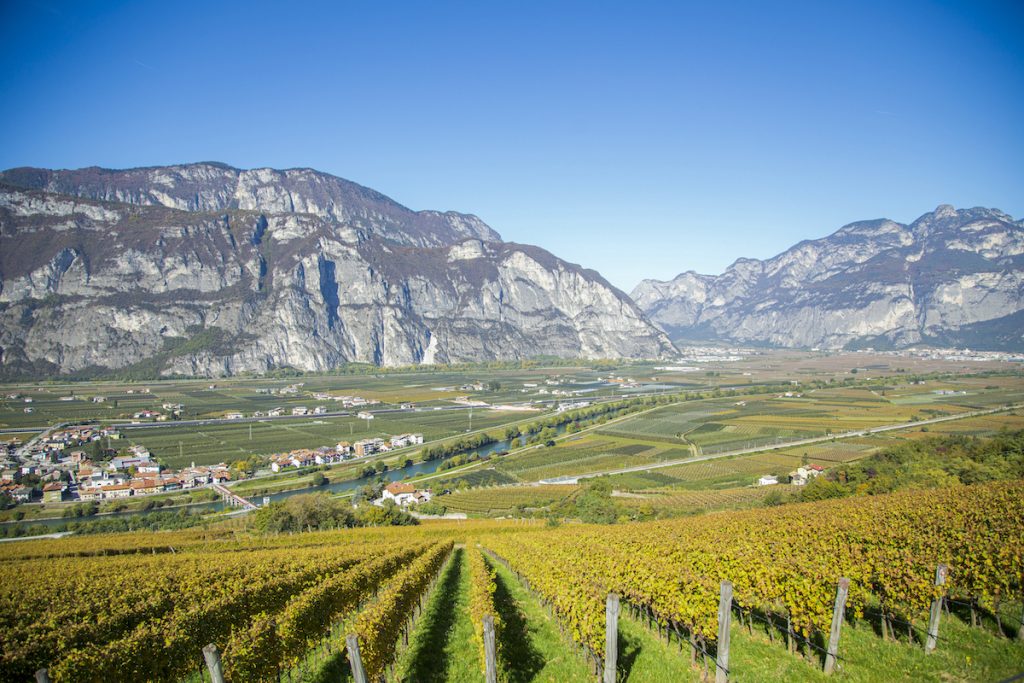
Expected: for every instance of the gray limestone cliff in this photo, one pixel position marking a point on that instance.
(950, 278)
(208, 270)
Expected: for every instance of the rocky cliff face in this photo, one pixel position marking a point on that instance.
(954, 278)
(209, 270)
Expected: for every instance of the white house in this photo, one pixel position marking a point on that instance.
(804, 474)
(767, 480)
(403, 494)
(403, 440)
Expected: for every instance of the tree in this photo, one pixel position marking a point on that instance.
(319, 479)
(387, 514)
(821, 488)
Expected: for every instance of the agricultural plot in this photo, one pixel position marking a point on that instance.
(501, 500)
(207, 444)
(720, 425)
(589, 454)
(720, 473)
(668, 423)
(689, 502)
(982, 425)
(487, 476)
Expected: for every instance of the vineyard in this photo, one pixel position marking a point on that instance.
(688, 502)
(505, 499)
(783, 566)
(387, 601)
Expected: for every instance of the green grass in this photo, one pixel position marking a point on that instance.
(532, 647)
(643, 658)
(441, 647)
(963, 654)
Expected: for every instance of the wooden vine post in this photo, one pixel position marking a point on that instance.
(490, 660)
(838, 613)
(212, 656)
(355, 661)
(611, 637)
(936, 612)
(724, 621)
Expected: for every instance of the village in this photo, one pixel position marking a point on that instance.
(305, 457)
(83, 463)
(80, 463)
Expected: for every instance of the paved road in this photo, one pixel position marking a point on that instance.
(59, 534)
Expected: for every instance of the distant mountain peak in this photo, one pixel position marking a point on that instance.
(952, 277)
(214, 186)
(204, 269)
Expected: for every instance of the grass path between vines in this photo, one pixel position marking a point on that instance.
(441, 647)
(533, 649)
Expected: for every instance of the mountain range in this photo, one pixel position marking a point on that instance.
(204, 269)
(207, 270)
(952, 278)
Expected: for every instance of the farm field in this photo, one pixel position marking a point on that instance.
(206, 444)
(590, 453)
(280, 606)
(52, 403)
(690, 502)
(504, 499)
(713, 426)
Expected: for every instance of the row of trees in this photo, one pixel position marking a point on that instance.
(314, 511)
(461, 445)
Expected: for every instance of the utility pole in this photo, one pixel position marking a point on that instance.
(471, 418)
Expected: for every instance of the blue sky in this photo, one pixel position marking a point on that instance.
(640, 139)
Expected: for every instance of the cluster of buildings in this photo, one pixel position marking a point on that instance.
(571, 405)
(43, 468)
(798, 477)
(713, 354)
(543, 388)
(69, 465)
(284, 391)
(305, 457)
(345, 401)
(104, 484)
(951, 354)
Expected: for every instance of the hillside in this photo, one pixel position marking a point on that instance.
(288, 605)
(950, 278)
(208, 270)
